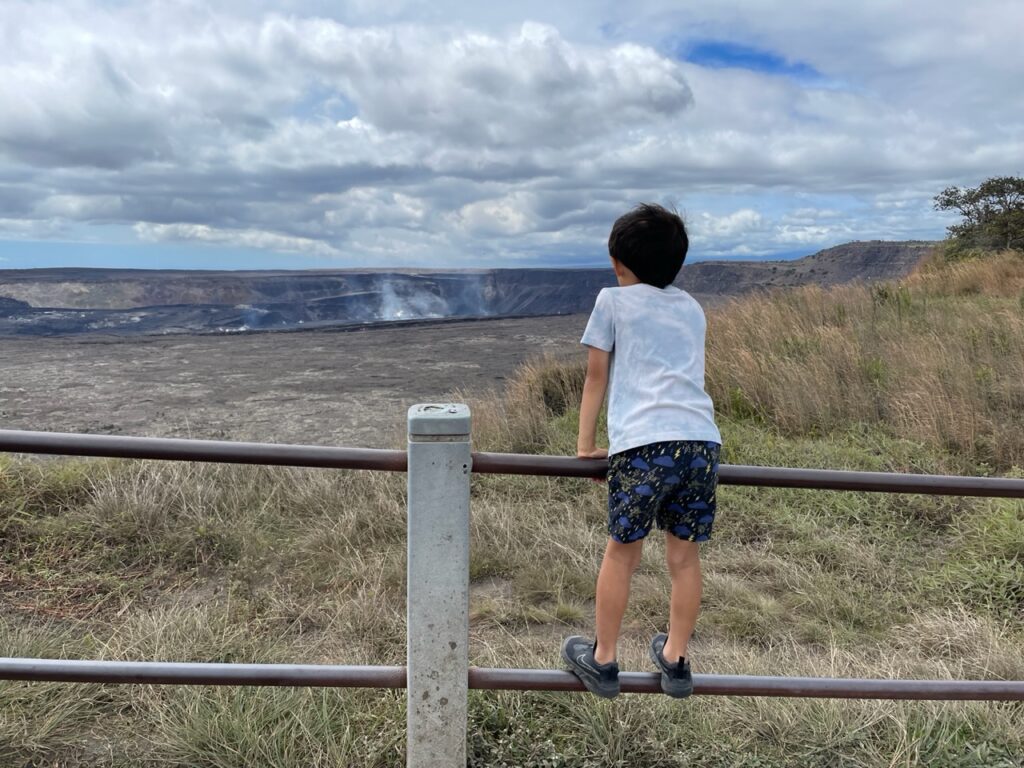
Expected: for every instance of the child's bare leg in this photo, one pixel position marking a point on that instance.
(620, 560)
(683, 559)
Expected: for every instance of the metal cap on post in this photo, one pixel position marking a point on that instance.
(438, 585)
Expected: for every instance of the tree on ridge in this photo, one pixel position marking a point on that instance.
(993, 214)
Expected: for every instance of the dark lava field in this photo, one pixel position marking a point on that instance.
(320, 387)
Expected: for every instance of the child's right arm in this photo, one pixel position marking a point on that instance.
(594, 388)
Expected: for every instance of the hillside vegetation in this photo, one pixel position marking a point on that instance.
(144, 560)
(937, 358)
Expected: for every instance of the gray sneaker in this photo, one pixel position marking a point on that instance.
(602, 679)
(676, 679)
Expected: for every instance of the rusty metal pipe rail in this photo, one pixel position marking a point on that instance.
(769, 477)
(176, 449)
(219, 451)
(333, 676)
(197, 673)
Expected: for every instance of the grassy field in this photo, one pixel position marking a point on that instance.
(142, 560)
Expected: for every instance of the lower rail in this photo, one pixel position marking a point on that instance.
(334, 676)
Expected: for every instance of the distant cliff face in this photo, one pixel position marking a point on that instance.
(62, 301)
(870, 260)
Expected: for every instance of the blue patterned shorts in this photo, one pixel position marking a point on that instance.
(671, 484)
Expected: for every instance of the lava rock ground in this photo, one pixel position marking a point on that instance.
(318, 387)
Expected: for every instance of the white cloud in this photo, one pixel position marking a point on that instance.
(492, 217)
(384, 137)
(246, 238)
(472, 89)
(30, 229)
(739, 222)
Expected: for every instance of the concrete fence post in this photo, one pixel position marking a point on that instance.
(438, 585)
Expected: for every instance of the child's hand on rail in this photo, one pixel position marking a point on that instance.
(592, 453)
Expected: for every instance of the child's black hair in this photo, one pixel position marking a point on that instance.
(652, 242)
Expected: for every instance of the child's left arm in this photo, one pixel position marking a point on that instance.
(594, 388)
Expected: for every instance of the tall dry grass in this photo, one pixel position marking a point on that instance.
(519, 420)
(937, 358)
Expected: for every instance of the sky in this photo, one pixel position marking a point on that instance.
(307, 134)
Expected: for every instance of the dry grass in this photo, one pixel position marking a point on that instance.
(519, 420)
(938, 358)
(142, 560)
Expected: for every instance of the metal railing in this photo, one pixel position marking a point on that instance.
(487, 678)
(437, 675)
(276, 454)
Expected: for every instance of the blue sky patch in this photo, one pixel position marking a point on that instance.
(323, 102)
(722, 54)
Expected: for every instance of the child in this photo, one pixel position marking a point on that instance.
(646, 348)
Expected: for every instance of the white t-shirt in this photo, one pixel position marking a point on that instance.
(656, 385)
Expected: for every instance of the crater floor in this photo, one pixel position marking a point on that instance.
(320, 387)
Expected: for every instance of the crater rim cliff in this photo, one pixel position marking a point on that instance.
(74, 300)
